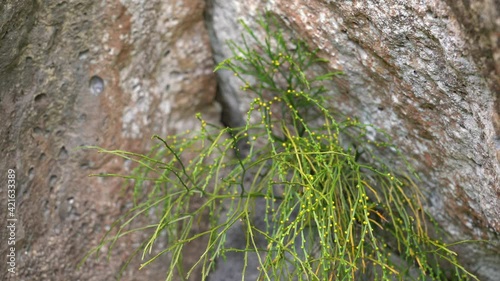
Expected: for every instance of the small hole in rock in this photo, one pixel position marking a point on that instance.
(40, 97)
(31, 173)
(46, 209)
(52, 180)
(63, 153)
(83, 54)
(37, 130)
(96, 85)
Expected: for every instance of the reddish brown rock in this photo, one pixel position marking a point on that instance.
(106, 73)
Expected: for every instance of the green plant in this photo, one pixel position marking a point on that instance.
(334, 210)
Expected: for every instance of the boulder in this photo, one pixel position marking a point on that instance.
(427, 73)
(104, 73)
(113, 73)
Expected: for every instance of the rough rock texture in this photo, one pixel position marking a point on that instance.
(108, 73)
(112, 73)
(428, 72)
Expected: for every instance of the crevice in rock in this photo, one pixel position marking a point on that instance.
(231, 115)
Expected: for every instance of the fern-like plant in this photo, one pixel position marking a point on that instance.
(333, 209)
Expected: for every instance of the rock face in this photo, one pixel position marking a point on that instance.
(106, 73)
(429, 74)
(113, 73)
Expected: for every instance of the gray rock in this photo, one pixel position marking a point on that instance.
(427, 73)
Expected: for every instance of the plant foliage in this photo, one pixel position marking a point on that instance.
(333, 209)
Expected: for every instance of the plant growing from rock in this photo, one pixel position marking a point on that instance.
(333, 209)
